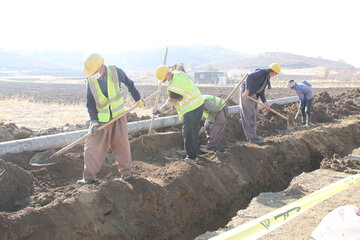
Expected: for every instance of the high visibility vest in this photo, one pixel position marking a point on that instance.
(212, 104)
(113, 105)
(182, 84)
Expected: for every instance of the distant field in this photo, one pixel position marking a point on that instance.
(40, 105)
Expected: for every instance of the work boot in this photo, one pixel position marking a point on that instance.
(127, 177)
(206, 150)
(85, 181)
(181, 152)
(256, 140)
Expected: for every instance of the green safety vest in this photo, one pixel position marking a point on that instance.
(212, 106)
(114, 104)
(182, 84)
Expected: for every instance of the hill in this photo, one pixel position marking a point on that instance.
(286, 60)
(196, 57)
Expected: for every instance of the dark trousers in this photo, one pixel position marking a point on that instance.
(215, 131)
(306, 112)
(190, 131)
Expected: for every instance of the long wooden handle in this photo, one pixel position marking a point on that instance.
(82, 139)
(297, 113)
(274, 111)
(157, 99)
(233, 91)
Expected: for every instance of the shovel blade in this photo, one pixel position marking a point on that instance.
(291, 121)
(43, 159)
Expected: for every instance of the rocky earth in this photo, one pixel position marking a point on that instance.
(171, 198)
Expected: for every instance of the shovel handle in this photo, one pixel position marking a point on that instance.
(157, 99)
(233, 91)
(274, 111)
(82, 139)
(297, 113)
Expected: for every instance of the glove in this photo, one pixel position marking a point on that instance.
(93, 129)
(202, 130)
(206, 124)
(140, 103)
(156, 112)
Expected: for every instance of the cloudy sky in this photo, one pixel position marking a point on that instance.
(325, 28)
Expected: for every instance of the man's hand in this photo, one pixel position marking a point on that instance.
(267, 106)
(140, 103)
(93, 129)
(156, 112)
(202, 130)
(246, 93)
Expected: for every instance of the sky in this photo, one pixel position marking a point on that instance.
(314, 28)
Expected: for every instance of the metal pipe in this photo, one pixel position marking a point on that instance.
(62, 139)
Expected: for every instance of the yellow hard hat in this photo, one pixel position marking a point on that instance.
(161, 72)
(275, 67)
(92, 63)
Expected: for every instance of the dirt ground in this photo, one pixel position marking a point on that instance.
(302, 226)
(171, 198)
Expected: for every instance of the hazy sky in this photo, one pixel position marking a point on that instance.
(325, 28)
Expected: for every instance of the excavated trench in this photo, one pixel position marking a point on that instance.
(170, 198)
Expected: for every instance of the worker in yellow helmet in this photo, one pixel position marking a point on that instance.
(105, 101)
(189, 104)
(254, 86)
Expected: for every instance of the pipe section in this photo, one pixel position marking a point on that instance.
(62, 139)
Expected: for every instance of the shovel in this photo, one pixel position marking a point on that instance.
(297, 114)
(233, 91)
(50, 157)
(157, 99)
(227, 99)
(290, 121)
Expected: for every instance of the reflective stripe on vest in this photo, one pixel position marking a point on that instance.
(114, 104)
(182, 84)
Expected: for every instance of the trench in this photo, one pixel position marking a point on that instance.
(170, 198)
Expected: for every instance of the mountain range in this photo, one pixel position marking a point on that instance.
(197, 57)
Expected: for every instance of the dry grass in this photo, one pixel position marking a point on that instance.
(36, 116)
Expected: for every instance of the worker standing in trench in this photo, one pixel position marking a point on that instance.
(215, 122)
(306, 95)
(189, 104)
(254, 86)
(105, 101)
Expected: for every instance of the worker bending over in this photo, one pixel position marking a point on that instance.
(105, 101)
(254, 86)
(215, 122)
(306, 95)
(189, 104)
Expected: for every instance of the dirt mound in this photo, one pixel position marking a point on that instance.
(188, 197)
(327, 108)
(10, 131)
(349, 164)
(15, 186)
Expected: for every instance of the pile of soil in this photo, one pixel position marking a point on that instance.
(10, 131)
(188, 197)
(349, 164)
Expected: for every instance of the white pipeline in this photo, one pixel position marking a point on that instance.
(60, 140)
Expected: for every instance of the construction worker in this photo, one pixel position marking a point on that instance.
(306, 95)
(105, 101)
(254, 86)
(189, 104)
(215, 121)
(178, 66)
